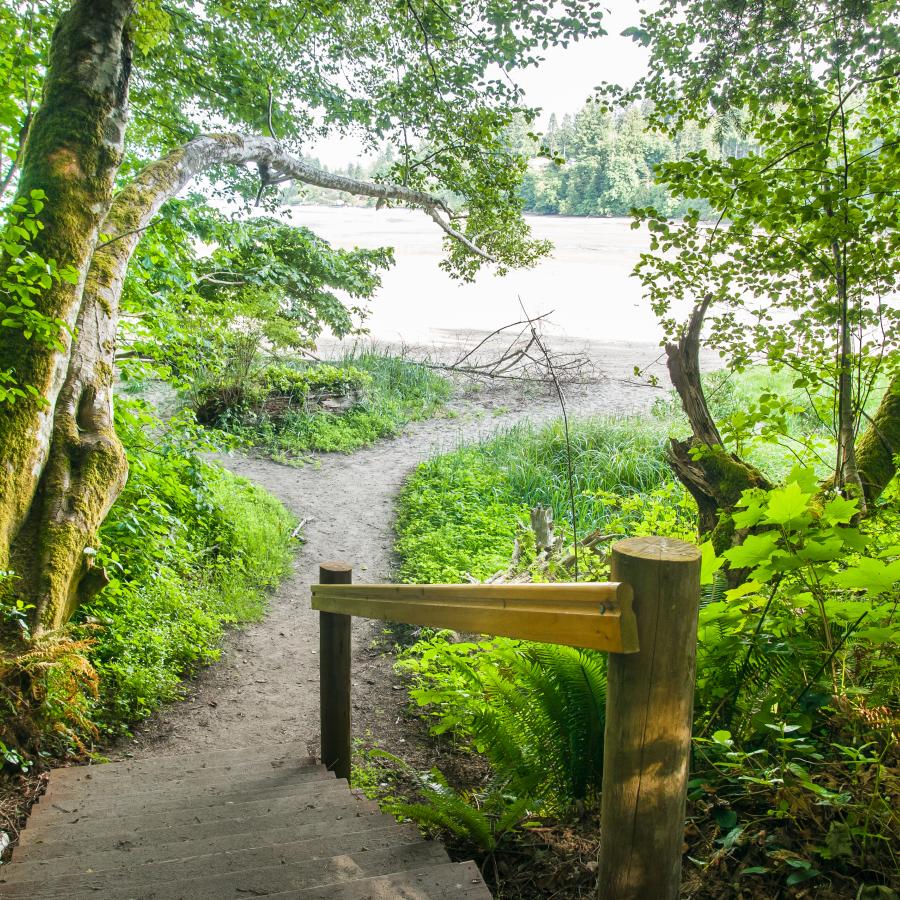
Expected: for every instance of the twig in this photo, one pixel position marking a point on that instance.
(562, 403)
(124, 234)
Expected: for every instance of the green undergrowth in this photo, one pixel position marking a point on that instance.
(191, 549)
(188, 549)
(384, 393)
(461, 512)
(795, 768)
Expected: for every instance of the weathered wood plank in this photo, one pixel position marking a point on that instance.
(598, 616)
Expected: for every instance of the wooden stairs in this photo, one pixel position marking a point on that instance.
(258, 822)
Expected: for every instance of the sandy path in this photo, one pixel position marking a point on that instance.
(264, 688)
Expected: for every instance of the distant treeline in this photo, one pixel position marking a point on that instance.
(602, 165)
(608, 163)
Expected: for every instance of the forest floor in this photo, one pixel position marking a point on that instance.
(264, 687)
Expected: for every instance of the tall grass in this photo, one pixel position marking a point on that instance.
(459, 513)
(610, 457)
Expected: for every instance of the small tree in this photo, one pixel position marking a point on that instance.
(802, 267)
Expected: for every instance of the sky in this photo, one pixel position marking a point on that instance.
(561, 84)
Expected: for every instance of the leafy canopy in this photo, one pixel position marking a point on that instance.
(802, 267)
(432, 79)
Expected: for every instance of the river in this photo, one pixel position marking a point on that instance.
(586, 281)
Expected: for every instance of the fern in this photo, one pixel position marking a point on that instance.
(481, 818)
(535, 710)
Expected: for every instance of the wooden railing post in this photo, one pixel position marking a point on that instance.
(334, 677)
(649, 706)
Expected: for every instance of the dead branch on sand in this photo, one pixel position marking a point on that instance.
(517, 352)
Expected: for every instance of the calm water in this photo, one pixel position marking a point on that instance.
(586, 281)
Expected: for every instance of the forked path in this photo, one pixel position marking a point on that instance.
(264, 688)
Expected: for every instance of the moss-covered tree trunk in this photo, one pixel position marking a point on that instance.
(73, 152)
(714, 477)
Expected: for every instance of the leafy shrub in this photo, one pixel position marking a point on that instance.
(456, 516)
(271, 392)
(386, 393)
(190, 549)
(815, 619)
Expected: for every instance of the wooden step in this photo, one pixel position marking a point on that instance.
(90, 826)
(220, 861)
(65, 842)
(112, 805)
(91, 781)
(218, 825)
(255, 882)
(459, 881)
(85, 860)
(177, 766)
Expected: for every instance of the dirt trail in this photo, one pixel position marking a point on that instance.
(264, 688)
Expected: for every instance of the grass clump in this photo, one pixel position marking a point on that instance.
(461, 512)
(292, 408)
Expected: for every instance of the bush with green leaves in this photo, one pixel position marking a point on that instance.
(815, 617)
(386, 393)
(190, 549)
(272, 392)
(24, 275)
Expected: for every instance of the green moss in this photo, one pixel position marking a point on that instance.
(82, 476)
(728, 475)
(878, 447)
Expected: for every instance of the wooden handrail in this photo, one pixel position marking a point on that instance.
(598, 616)
(646, 620)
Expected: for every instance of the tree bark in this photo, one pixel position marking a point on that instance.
(73, 152)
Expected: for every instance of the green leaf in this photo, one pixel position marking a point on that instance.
(755, 549)
(787, 504)
(710, 563)
(871, 575)
(840, 510)
(748, 587)
(725, 818)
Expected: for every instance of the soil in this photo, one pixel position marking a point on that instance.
(264, 687)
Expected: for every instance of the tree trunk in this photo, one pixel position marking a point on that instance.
(714, 477)
(73, 151)
(878, 447)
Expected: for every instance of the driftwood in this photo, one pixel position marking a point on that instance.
(552, 557)
(542, 526)
(515, 352)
